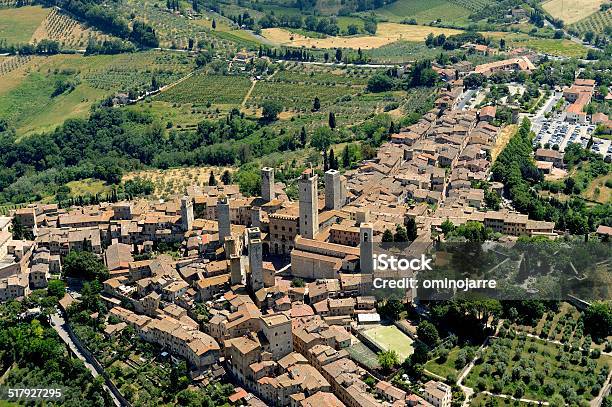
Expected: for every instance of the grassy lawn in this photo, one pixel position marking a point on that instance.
(537, 364)
(389, 337)
(72, 105)
(32, 96)
(18, 24)
(444, 368)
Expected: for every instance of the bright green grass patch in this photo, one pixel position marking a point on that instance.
(444, 368)
(32, 95)
(214, 89)
(565, 48)
(389, 337)
(180, 116)
(424, 11)
(75, 104)
(18, 24)
(344, 22)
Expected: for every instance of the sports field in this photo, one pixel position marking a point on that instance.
(572, 11)
(389, 337)
(362, 354)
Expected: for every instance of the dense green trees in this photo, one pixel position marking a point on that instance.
(84, 265)
(388, 360)
(39, 359)
(420, 74)
(37, 165)
(598, 320)
(428, 333)
(271, 110)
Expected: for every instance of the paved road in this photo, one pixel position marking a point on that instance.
(58, 323)
(465, 97)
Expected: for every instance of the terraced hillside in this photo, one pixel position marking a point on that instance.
(600, 22)
(69, 32)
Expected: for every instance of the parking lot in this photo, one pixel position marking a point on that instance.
(561, 133)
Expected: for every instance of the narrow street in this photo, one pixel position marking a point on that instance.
(58, 323)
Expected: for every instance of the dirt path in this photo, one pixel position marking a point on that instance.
(248, 94)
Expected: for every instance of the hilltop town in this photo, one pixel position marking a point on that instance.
(285, 285)
(194, 197)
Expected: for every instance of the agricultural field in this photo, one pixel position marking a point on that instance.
(536, 369)
(60, 27)
(386, 33)
(174, 30)
(174, 181)
(27, 97)
(472, 5)
(597, 22)
(425, 12)
(557, 47)
(401, 52)
(17, 25)
(339, 90)
(11, 63)
(572, 11)
(202, 89)
(87, 187)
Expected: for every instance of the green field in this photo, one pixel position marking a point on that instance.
(18, 24)
(561, 47)
(446, 367)
(26, 99)
(389, 337)
(424, 11)
(214, 89)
